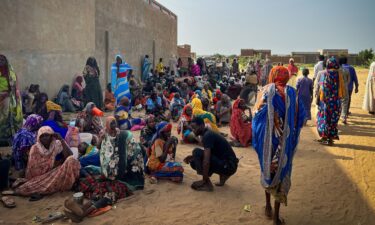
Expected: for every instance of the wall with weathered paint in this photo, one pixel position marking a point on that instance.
(48, 41)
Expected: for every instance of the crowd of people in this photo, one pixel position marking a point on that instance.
(265, 106)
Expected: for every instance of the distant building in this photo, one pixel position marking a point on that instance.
(334, 52)
(264, 53)
(184, 52)
(306, 57)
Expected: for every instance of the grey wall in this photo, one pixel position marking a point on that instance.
(48, 41)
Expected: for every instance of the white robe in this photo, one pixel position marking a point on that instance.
(369, 99)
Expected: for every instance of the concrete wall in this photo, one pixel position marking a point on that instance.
(48, 41)
(133, 25)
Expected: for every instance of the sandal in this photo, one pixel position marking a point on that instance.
(9, 192)
(100, 211)
(8, 202)
(35, 197)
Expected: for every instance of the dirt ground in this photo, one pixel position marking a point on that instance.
(330, 185)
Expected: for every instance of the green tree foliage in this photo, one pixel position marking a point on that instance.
(366, 56)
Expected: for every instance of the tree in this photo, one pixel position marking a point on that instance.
(366, 56)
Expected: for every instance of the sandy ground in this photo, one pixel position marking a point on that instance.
(330, 185)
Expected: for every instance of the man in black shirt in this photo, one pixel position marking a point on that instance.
(217, 157)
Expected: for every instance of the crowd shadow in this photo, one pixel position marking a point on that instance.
(355, 147)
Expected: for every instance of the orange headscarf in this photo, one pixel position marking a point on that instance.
(280, 76)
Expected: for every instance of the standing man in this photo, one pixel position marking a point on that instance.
(293, 71)
(160, 68)
(266, 69)
(216, 157)
(146, 66)
(319, 66)
(353, 80)
(235, 68)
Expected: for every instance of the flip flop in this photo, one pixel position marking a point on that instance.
(98, 212)
(8, 202)
(35, 197)
(9, 192)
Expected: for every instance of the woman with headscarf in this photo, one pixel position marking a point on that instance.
(87, 121)
(109, 99)
(330, 91)
(121, 157)
(63, 98)
(40, 106)
(10, 102)
(369, 100)
(161, 161)
(77, 92)
(93, 91)
(42, 174)
(148, 132)
(183, 126)
(208, 117)
(55, 119)
(276, 128)
(240, 124)
(123, 116)
(223, 110)
(24, 139)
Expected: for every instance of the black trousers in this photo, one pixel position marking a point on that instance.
(218, 166)
(4, 173)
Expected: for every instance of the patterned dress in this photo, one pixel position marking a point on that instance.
(329, 107)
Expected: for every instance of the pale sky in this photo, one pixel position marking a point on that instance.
(226, 26)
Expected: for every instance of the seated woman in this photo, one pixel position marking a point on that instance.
(223, 110)
(121, 157)
(40, 106)
(161, 161)
(87, 121)
(206, 92)
(209, 118)
(240, 124)
(64, 100)
(24, 139)
(155, 106)
(43, 177)
(88, 155)
(55, 119)
(176, 106)
(109, 99)
(77, 92)
(124, 117)
(183, 126)
(148, 132)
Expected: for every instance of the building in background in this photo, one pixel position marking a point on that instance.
(263, 53)
(58, 36)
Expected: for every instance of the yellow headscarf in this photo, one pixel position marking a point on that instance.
(208, 117)
(51, 106)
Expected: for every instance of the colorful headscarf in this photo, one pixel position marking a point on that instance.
(184, 114)
(280, 76)
(208, 117)
(33, 122)
(51, 106)
(161, 127)
(332, 64)
(240, 130)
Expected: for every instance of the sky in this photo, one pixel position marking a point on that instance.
(226, 26)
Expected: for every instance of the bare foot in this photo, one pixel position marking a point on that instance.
(268, 212)
(202, 186)
(279, 221)
(73, 206)
(223, 179)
